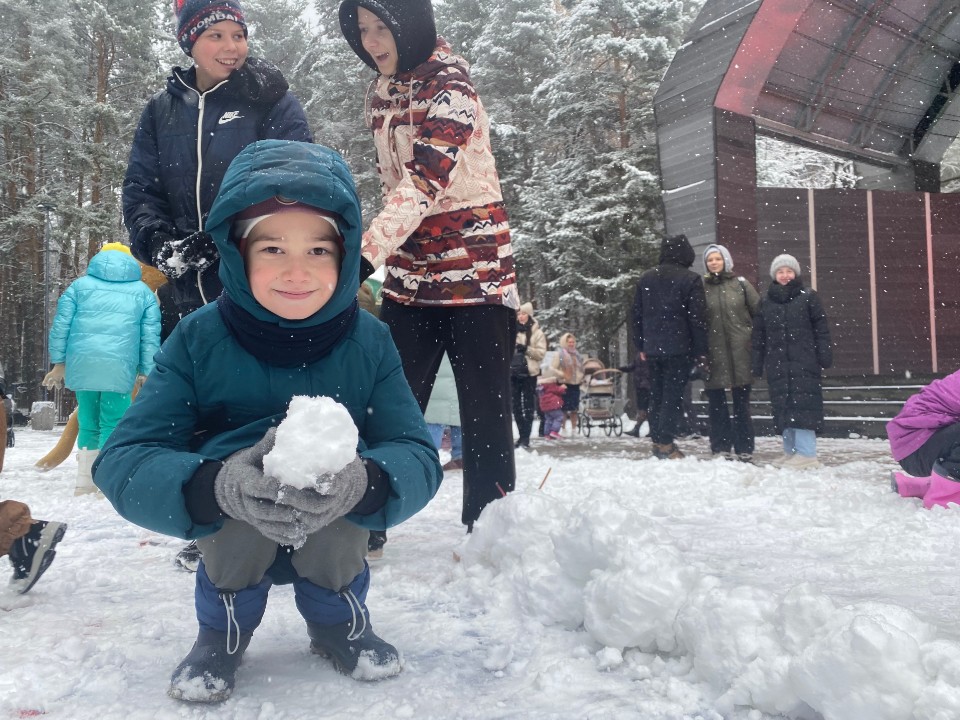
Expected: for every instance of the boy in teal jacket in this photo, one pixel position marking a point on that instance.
(187, 459)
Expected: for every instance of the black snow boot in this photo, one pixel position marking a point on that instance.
(208, 672)
(353, 646)
(32, 553)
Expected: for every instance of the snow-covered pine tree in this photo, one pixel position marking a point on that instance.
(594, 191)
(511, 47)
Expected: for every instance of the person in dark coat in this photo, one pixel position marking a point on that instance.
(222, 103)
(524, 370)
(670, 331)
(188, 457)
(731, 304)
(791, 343)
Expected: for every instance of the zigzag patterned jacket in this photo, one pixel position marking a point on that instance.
(443, 233)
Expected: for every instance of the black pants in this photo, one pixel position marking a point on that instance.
(724, 434)
(943, 447)
(668, 377)
(480, 341)
(524, 404)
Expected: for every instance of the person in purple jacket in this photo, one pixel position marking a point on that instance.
(925, 440)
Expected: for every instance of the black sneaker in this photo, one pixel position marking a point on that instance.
(32, 553)
(189, 558)
(354, 648)
(208, 673)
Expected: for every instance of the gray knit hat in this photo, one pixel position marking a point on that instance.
(784, 261)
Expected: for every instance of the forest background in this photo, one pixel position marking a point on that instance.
(568, 86)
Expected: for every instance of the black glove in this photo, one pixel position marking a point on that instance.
(366, 269)
(174, 257)
(701, 370)
(521, 348)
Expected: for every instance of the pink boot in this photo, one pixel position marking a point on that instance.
(943, 490)
(908, 486)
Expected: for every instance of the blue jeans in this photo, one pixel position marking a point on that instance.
(456, 438)
(800, 441)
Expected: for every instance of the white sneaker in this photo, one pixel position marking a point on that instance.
(801, 462)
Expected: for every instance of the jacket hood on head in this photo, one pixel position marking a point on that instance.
(724, 253)
(410, 21)
(114, 266)
(677, 250)
(311, 174)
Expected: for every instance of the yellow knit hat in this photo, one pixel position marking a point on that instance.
(116, 246)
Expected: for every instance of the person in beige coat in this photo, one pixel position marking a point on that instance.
(525, 367)
(568, 366)
(731, 304)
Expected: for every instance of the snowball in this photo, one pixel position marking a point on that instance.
(316, 438)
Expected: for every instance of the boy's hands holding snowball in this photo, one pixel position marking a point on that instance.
(244, 493)
(334, 495)
(288, 485)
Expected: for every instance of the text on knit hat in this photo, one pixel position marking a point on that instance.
(194, 17)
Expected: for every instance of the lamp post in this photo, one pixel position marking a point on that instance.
(47, 209)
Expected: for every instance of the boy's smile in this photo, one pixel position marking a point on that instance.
(293, 263)
(220, 50)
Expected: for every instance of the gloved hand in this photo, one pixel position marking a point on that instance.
(701, 370)
(366, 269)
(334, 496)
(54, 378)
(174, 257)
(521, 348)
(244, 493)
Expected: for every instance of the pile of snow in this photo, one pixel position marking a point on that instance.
(627, 588)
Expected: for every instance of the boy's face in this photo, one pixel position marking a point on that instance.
(377, 40)
(220, 49)
(293, 263)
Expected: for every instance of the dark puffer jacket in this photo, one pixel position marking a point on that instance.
(168, 189)
(791, 342)
(670, 308)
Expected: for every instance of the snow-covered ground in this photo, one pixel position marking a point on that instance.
(625, 588)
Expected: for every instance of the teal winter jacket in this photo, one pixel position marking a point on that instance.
(209, 397)
(107, 327)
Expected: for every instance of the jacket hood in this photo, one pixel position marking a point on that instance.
(677, 250)
(256, 80)
(410, 22)
(311, 174)
(114, 266)
(441, 59)
(724, 253)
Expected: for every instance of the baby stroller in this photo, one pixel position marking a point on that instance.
(601, 399)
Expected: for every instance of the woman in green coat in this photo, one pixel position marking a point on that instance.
(731, 304)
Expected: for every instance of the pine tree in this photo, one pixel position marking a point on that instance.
(596, 194)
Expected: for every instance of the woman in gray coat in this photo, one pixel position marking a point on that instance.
(731, 304)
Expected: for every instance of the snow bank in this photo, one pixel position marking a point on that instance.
(598, 566)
